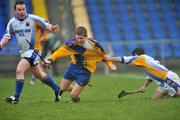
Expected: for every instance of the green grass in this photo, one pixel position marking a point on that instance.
(99, 102)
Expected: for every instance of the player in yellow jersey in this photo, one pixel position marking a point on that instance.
(85, 53)
(168, 81)
(26, 28)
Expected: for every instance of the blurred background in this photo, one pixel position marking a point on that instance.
(119, 26)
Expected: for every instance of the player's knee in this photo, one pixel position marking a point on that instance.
(19, 72)
(158, 95)
(75, 99)
(41, 76)
(74, 94)
(178, 93)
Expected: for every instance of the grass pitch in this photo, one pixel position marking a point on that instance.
(98, 102)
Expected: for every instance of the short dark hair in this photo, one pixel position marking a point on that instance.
(138, 51)
(18, 3)
(81, 31)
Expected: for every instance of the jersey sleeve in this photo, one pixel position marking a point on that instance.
(149, 78)
(102, 49)
(103, 52)
(41, 21)
(9, 30)
(128, 59)
(109, 63)
(61, 52)
(134, 60)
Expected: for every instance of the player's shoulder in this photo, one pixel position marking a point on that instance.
(12, 20)
(139, 57)
(96, 43)
(92, 40)
(35, 17)
(147, 57)
(71, 41)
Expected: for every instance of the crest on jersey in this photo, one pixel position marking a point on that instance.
(27, 24)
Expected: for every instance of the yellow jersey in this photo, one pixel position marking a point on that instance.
(80, 55)
(150, 66)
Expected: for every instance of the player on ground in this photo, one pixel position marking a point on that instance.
(168, 81)
(24, 27)
(85, 53)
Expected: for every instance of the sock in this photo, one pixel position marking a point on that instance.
(18, 89)
(50, 82)
(61, 92)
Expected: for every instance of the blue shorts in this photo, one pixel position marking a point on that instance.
(78, 73)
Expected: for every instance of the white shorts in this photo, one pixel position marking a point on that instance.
(172, 84)
(31, 56)
(166, 89)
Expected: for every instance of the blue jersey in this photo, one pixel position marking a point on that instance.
(28, 29)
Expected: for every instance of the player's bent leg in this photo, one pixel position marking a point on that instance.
(77, 89)
(38, 73)
(178, 93)
(22, 66)
(46, 79)
(158, 95)
(70, 88)
(65, 85)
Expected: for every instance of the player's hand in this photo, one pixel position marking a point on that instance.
(48, 63)
(142, 89)
(113, 68)
(55, 28)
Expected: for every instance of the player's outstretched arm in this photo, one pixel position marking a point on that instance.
(146, 84)
(110, 58)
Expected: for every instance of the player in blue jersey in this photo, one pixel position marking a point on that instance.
(26, 28)
(168, 81)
